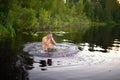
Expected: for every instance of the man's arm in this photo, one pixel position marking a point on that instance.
(53, 41)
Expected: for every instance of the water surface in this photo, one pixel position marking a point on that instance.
(99, 52)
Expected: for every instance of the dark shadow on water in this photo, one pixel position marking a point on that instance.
(28, 61)
(12, 66)
(49, 62)
(45, 63)
(13, 69)
(104, 51)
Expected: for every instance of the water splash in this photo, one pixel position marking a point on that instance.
(59, 50)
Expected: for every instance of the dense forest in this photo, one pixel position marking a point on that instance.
(31, 15)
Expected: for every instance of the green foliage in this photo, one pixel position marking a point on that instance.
(116, 12)
(7, 31)
(11, 30)
(98, 12)
(89, 9)
(3, 30)
(44, 17)
(29, 15)
(80, 7)
(102, 10)
(26, 19)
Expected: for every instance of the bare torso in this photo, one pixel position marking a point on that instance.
(47, 42)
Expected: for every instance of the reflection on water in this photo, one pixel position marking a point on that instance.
(45, 63)
(94, 43)
(28, 61)
(103, 37)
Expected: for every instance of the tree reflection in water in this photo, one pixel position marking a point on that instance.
(13, 66)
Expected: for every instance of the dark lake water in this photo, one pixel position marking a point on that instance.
(16, 64)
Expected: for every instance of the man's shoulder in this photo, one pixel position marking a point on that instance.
(44, 37)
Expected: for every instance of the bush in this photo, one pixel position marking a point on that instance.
(26, 19)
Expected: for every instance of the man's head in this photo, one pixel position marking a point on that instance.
(49, 34)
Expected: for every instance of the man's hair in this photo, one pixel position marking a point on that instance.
(49, 32)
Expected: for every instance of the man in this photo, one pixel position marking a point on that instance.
(48, 41)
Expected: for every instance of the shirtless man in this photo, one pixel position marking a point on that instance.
(48, 41)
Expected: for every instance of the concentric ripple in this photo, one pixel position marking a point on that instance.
(59, 50)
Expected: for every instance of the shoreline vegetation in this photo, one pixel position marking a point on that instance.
(31, 15)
